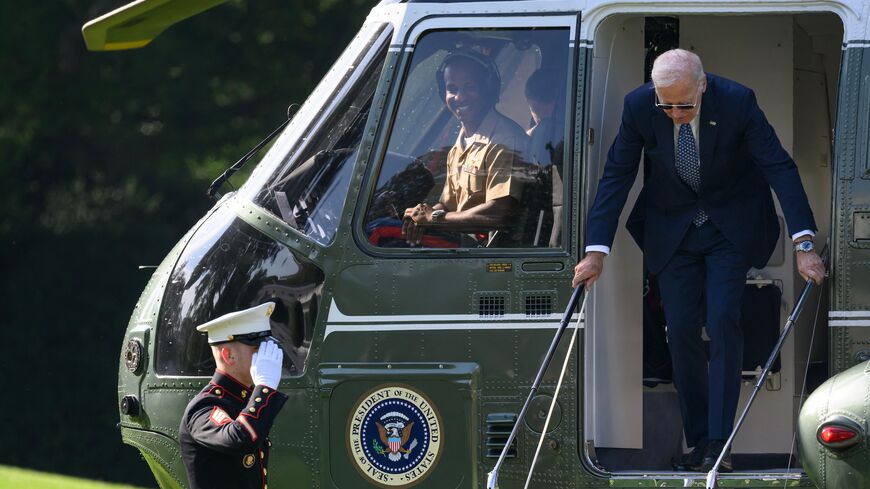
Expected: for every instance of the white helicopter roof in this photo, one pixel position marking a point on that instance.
(405, 17)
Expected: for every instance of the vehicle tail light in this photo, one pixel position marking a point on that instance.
(838, 435)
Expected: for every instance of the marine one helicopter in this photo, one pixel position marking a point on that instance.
(408, 363)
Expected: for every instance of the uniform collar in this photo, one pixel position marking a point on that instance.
(484, 131)
(228, 384)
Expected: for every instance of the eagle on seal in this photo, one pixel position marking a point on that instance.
(394, 439)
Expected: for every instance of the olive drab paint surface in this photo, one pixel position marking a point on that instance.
(406, 366)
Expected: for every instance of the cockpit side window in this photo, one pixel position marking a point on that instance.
(475, 156)
(309, 189)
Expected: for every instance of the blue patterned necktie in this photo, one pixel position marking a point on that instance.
(689, 165)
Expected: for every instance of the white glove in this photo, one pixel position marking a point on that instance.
(266, 365)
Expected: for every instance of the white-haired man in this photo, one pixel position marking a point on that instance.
(707, 217)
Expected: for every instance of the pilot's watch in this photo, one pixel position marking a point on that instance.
(804, 246)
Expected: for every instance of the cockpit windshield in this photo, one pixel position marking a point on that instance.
(304, 177)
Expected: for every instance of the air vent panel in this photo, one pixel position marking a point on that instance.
(498, 430)
(491, 306)
(538, 305)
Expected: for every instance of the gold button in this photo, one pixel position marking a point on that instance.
(217, 391)
(262, 454)
(259, 399)
(265, 390)
(253, 410)
(264, 471)
(269, 443)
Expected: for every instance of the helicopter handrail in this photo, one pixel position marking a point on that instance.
(795, 313)
(567, 316)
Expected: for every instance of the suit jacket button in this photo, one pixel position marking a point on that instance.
(253, 410)
(265, 390)
(217, 392)
(259, 399)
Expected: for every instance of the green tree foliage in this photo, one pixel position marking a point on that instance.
(104, 162)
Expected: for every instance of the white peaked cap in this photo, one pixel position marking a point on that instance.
(239, 325)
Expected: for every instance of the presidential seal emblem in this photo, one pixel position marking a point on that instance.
(394, 436)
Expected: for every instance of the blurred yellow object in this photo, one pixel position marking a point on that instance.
(136, 24)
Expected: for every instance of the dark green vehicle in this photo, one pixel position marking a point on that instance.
(446, 335)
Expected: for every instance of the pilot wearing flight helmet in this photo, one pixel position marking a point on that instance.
(224, 430)
(480, 191)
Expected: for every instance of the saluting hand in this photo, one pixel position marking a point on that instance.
(810, 266)
(266, 365)
(589, 269)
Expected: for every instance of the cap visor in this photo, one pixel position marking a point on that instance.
(253, 341)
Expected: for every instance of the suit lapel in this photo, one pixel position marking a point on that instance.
(708, 125)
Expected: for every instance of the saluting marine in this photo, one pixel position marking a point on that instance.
(224, 430)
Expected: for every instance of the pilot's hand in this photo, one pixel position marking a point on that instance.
(414, 222)
(266, 365)
(810, 266)
(589, 269)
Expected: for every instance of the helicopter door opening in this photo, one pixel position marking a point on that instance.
(632, 420)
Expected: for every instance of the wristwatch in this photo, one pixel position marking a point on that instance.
(438, 215)
(804, 246)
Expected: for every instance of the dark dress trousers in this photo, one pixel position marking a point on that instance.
(224, 434)
(701, 270)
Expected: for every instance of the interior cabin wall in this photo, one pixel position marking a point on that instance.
(791, 62)
(758, 52)
(615, 344)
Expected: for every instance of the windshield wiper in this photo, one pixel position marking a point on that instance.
(215, 185)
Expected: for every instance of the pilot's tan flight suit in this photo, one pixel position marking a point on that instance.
(482, 170)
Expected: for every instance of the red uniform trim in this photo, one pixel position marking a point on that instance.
(227, 390)
(241, 419)
(256, 415)
(219, 417)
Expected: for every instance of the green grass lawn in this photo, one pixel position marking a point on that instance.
(15, 478)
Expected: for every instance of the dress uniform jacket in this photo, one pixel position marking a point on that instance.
(224, 434)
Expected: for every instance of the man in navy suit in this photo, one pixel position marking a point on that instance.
(707, 217)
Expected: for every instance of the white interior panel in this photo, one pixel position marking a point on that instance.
(615, 349)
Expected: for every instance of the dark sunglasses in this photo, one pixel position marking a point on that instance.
(677, 106)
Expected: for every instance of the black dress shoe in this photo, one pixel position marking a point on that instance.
(711, 455)
(689, 462)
